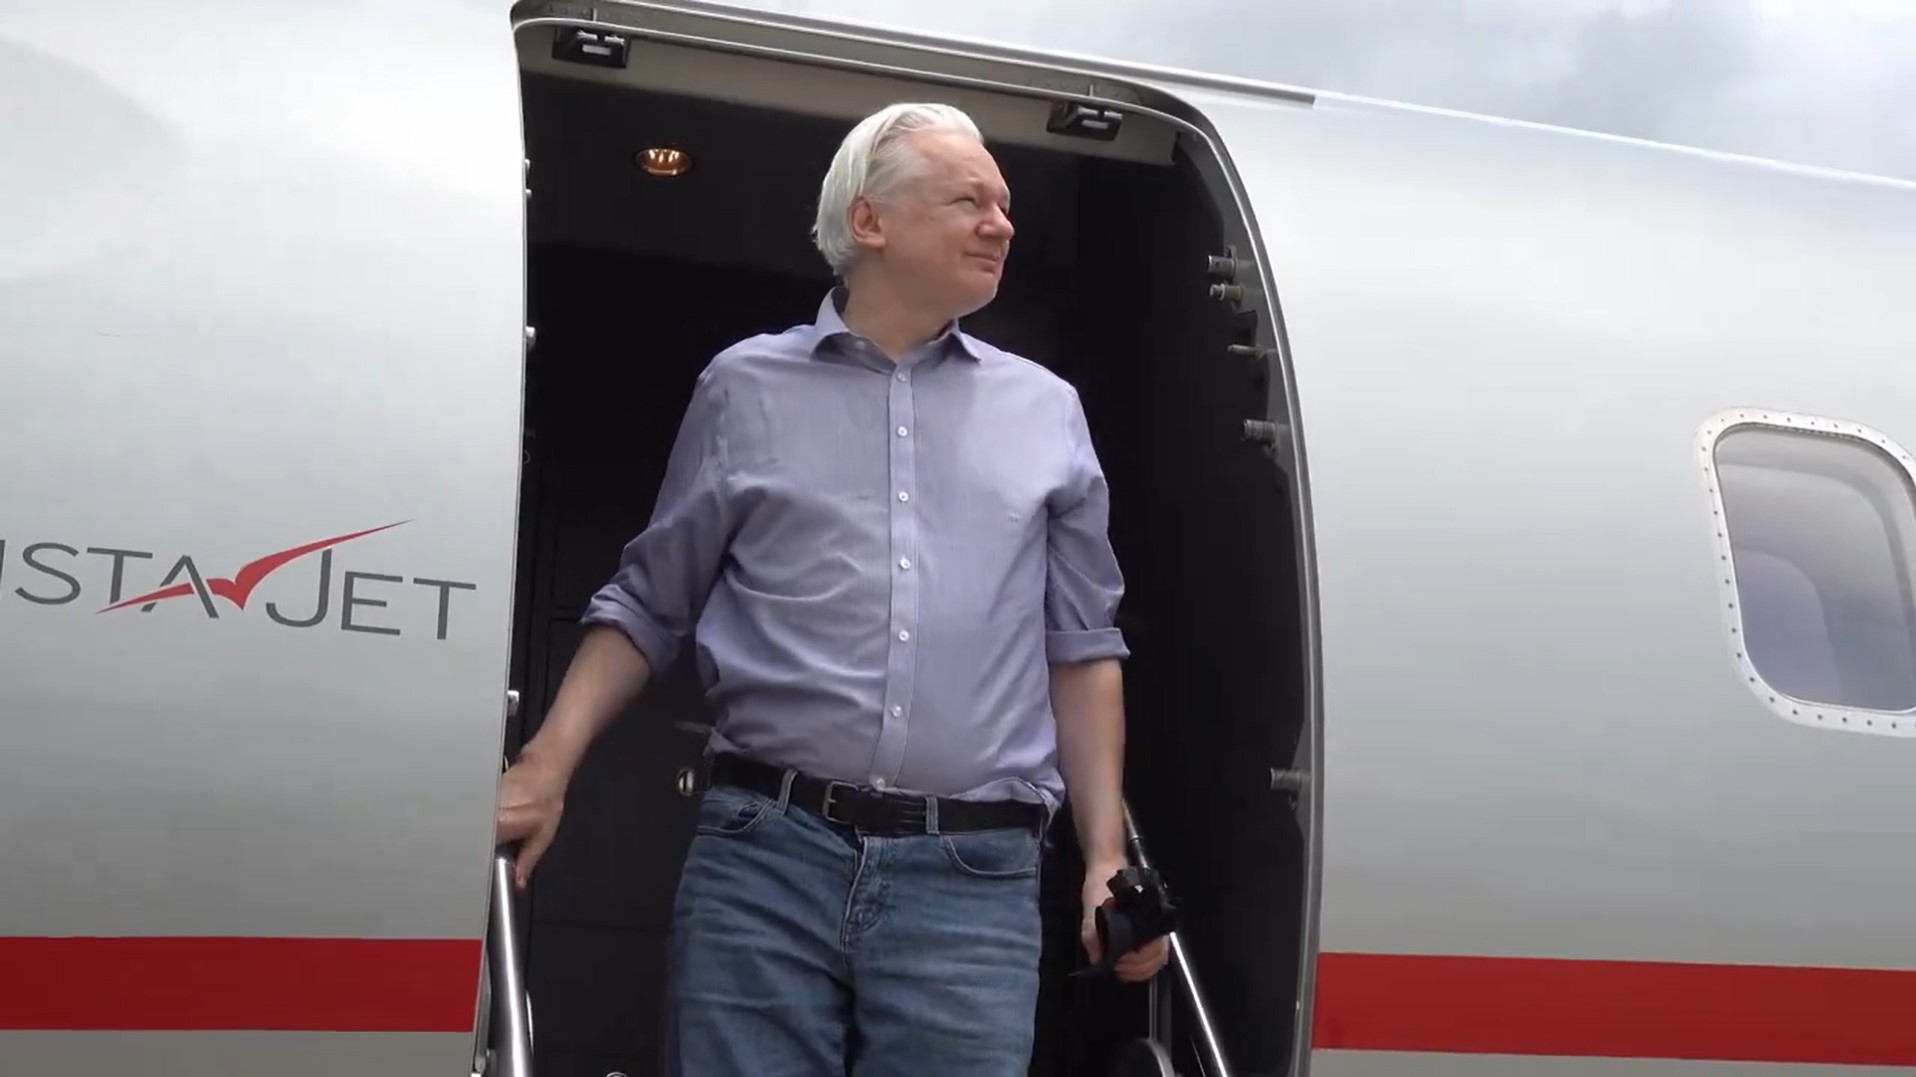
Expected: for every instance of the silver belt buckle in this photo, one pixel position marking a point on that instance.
(831, 800)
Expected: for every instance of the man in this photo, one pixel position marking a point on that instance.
(890, 537)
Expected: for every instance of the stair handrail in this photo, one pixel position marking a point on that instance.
(512, 1009)
(511, 1002)
(1185, 975)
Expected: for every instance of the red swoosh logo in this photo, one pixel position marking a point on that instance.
(240, 586)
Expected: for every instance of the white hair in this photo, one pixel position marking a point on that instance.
(872, 162)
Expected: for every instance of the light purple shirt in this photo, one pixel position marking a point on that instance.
(879, 560)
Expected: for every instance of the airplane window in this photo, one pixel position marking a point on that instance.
(1819, 532)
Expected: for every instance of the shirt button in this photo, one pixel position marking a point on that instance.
(897, 711)
(901, 375)
(878, 782)
(903, 496)
(903, 635)
(901, 431)
(905, 563)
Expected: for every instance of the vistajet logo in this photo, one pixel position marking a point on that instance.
(61, 574)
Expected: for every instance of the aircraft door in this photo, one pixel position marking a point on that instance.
(265, 325)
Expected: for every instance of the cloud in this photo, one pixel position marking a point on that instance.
(1817, 81)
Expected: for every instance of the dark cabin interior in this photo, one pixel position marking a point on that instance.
(635, 282)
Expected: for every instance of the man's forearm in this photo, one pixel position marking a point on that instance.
(1088, 700)
(607, 673)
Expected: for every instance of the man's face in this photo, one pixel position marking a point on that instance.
(945, 232)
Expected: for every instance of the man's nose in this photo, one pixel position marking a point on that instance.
(998, 224)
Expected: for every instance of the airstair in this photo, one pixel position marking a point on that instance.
(1182, 1040)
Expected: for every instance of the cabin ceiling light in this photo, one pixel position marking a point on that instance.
(663, 161)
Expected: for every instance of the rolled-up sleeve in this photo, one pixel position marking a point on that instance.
(666, 573)
(1083, 584)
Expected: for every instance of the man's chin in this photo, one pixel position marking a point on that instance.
(979, 296)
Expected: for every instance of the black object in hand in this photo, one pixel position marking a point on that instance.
(1140, 912)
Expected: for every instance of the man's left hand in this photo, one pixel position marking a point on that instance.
(1138, 965)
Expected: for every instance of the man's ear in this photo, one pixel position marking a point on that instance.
(866, 228)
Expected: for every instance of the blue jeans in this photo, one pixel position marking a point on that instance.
(802, 949)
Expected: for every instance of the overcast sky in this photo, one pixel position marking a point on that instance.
(1825, 82)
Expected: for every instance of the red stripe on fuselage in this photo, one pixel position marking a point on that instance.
(1615, 1009)
(171, 984)
(1374, 1002)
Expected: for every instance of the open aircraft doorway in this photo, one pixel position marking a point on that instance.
(1133, 277)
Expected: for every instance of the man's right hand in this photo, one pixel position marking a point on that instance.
(531, 800)
(606, 674)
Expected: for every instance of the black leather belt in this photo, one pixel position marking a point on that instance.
(869, 810)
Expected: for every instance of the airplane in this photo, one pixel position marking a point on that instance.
(1518, 525)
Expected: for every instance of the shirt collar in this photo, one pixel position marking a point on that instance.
(831, 322)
